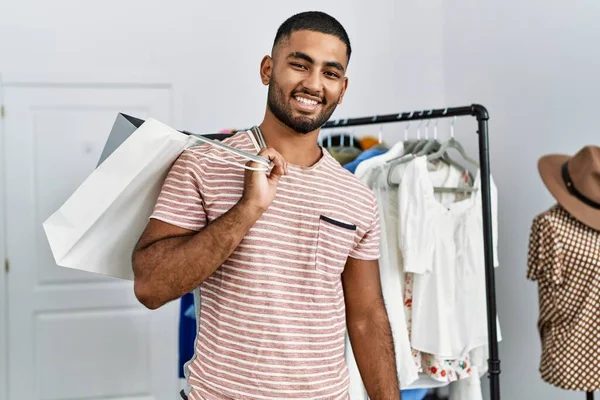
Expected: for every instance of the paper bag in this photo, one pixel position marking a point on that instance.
(97, 228)
(123, 127)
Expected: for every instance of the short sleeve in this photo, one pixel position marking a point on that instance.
(180, 201)
(545, 253)
(415, 230)
(368, 246)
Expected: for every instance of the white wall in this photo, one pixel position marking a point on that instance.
(212, 50)
(535, 65)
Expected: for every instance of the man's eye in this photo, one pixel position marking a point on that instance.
(332, 74)
(296, 65)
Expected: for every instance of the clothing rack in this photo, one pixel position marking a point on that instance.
(481, 114)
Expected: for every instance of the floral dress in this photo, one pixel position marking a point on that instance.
(438, 368)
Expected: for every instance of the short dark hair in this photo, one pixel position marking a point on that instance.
(315, 21)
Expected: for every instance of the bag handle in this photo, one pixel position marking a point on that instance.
(257, 138)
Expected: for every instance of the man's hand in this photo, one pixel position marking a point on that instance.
(260, 187)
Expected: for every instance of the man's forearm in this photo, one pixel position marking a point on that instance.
(169, 268)
(373, 348)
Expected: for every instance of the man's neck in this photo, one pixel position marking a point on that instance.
(296, 148)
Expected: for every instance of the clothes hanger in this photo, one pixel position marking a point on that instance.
(434, 146)
(380, 145)
(420, 142)
(409, 153)
(436, 189)
(408, 144)
(265, 163)
(452, 143)
(398, 148)
(431, 145)
(425, 141)
(393, 164)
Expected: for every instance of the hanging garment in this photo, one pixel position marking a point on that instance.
(187, 332)
(392, 275)
(367, 142)
(442, 244)
(564, 260)
(344, 155)
(276, 304)
(365, 155)
(414, 394)
(366, 167)
(391, 281)
(341, 140)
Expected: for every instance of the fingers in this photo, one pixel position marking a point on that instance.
(279, 164)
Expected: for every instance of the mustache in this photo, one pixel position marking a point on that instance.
(308, 92)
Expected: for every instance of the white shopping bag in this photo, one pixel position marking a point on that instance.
(97, 228)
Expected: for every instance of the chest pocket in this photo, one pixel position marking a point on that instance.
(335, 242)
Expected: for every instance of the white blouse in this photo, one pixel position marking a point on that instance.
(442, 244)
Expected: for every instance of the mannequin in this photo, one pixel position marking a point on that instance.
(564, 259)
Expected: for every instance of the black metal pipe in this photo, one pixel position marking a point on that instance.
(589, 396)
(407, 116)
(490, 284)
(482, 116)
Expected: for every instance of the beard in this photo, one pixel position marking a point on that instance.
(280, 106)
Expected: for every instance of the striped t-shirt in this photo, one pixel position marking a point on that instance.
(272, 321)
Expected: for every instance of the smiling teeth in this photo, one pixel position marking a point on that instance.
(306, 101)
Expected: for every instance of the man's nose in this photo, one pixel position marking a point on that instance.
(314, 83)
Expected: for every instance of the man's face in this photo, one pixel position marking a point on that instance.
(306, 79)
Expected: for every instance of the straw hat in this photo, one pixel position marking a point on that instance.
(574, 181)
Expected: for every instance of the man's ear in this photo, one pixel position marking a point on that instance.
(266, 69)
(344, 87)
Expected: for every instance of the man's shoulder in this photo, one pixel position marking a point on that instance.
(239, 140)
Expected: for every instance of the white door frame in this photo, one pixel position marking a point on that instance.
(111, 79)
(144, 79)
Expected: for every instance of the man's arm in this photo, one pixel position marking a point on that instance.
(369, 329)
(169, 261)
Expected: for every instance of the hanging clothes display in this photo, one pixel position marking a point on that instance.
(564, 260)
(432, 269)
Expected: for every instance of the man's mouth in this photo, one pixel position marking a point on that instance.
(306, 103)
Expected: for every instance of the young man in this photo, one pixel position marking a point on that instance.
(285, 260)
